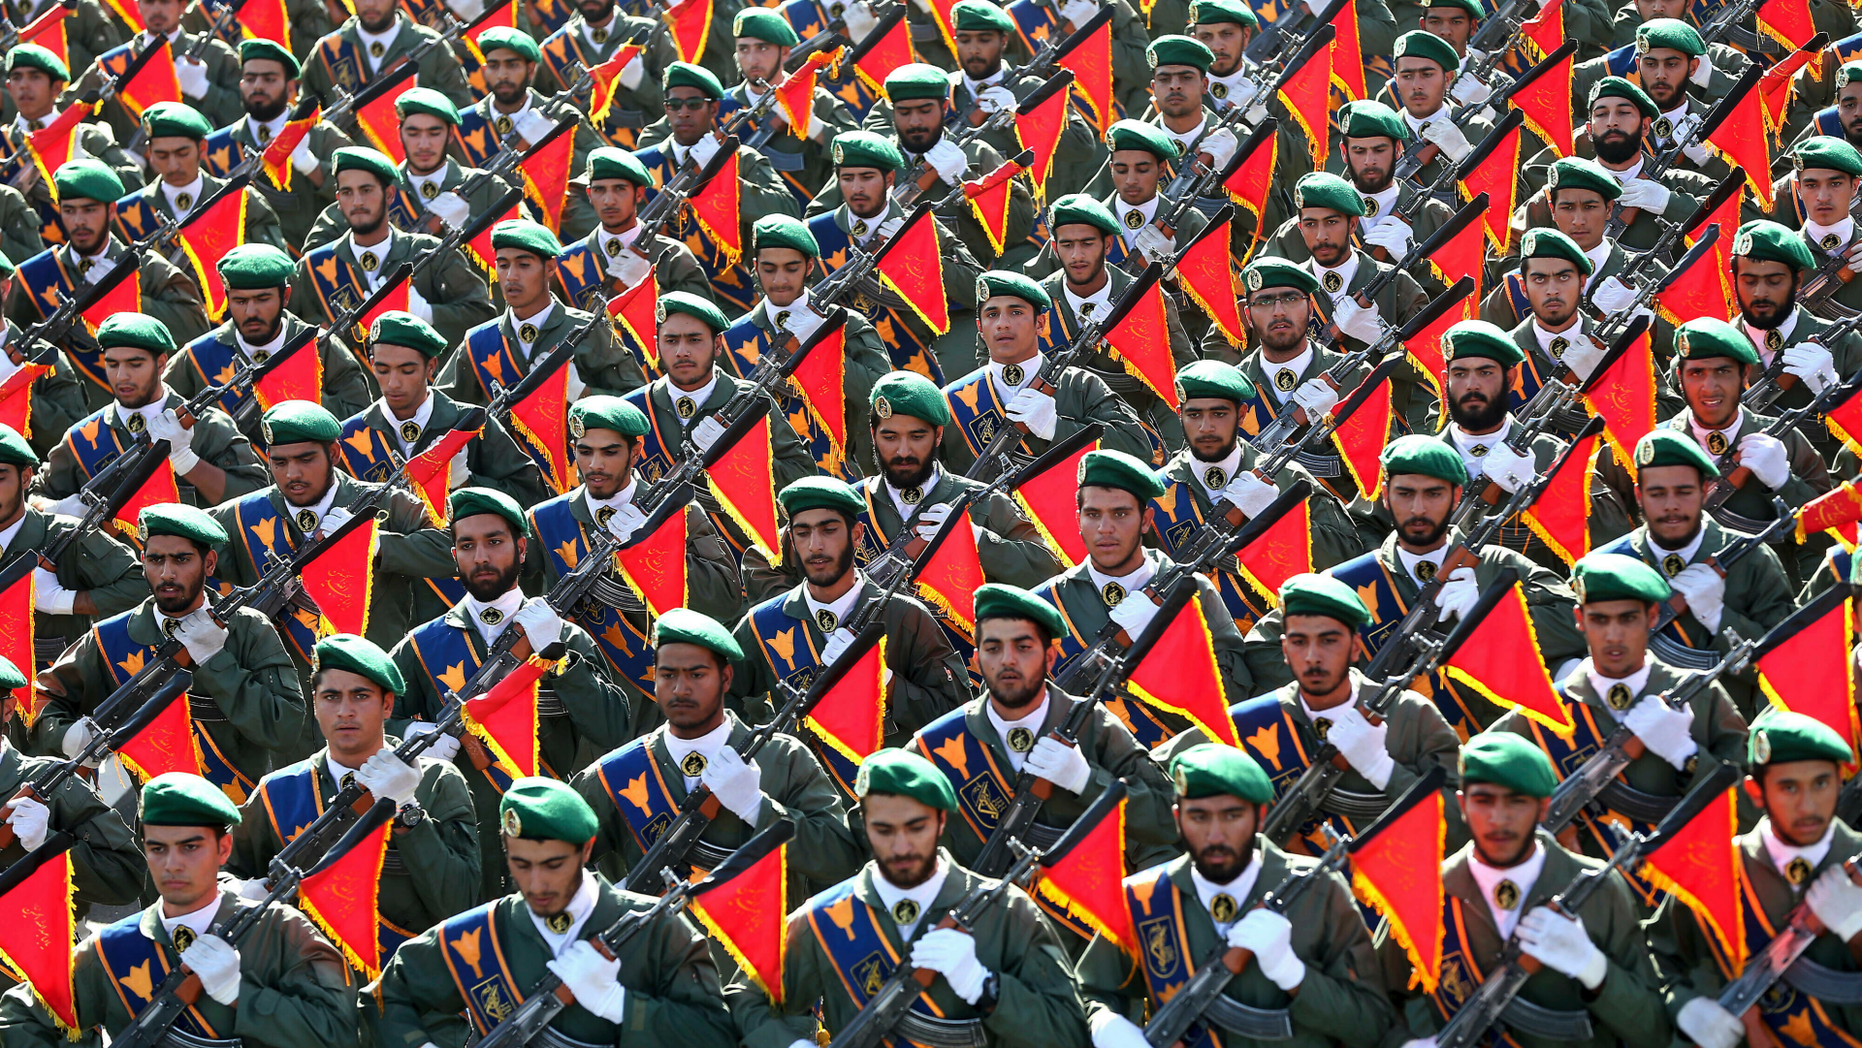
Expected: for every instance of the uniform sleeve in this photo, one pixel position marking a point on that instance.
(929, 680)
(1230, 650)
(1011, 549)
(254, 683)
(459, 297)
(254, 843)
(1037, 1000)
(171, 298)
(1628, 1001)
(597, 705)
(1150, 794)
(1097, 403)
(415, 1000)
(710, 575)
(1342, 995)
(443, 847)
(298, 991)
(1551, 603)
(441, 70)
(607, 367)
(414, 549)
(107, 866)
(1110, 985)
(345, 388)
(824, 849)
(108, 571)
(262, 225)
(20, 231)
(219, 442)
(221, 105)
(496, 461)
(1680, 956)
(684, 1005)
(57, 405)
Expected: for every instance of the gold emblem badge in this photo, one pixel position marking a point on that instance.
(429, 190)
(1619, 698)
(860, 228)
(612, 247)
(84, 265)
(693, 764)
(1558, 347)
(306, 521)
(882, 407)
(1215, 477)
(578, 427)
(1797, 871)
(782, 318)
(1425, 570)
(911, 496)
(136, 424)
(1321, 727)
(184, 201)
(1773, 340)
(1285, 380)
(1761, 747)
(1717, 443)
(1112, 593)
(410, 431)
(1830, 242)
(184, 936)
(1134, 220)
(368, 261)
(1224, 908)
(1086, 309)
(1332, 282)
(1506, 895)
(558, 922)
(377, 49)
(527, 333)
(261, 356)
(1645, 453)
(1253, 279)
(504, 125)
(1013, 374)
(599, 36)
(169, 626)
(1672, 565)
(1219, 90)
(1478, 451)
(603, 515)
(827, 620)
(513, 826)
(491, 616)
(1664, 127)
(1021, 740)
(265, 134)
(686, 407)
(1370, 207)
(905, 911)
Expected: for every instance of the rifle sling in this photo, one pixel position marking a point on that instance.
(1824, 984)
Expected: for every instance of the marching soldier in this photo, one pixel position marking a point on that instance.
(431, 865)
(663, 991)
(1138, 165)
(1826, 169)
(1002, 982)
(1577, 201)
(294, 984)
(1671, 58)
(1179, 84)
(177, 136)
(512, 106)
(372, 42)
(1553, 271)
(1226, 28)
(1427, 66)
(34, 78)
(209, 83)
(614, 257)
(244, 705)
(764, 38)
(590, 37)
(1313, 966)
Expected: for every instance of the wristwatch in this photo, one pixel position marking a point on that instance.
(409, 816)
(986, 1001)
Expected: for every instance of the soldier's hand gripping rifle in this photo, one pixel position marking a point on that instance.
(918, 179)
(1489, 1002)
(1775, 381)
(1620, 216)
(1044, 66)
(835, 34)
(1733, 476)
(686, 182)
(1494, 109)
(1783, 960)
(1179, 198)
(1420, 250)
(887, 1011)
(1483, 492)
(1647, 286)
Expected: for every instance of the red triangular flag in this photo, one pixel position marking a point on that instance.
(1426, 348)
(636, 309)
(266, 20)
(165, 744)
(159, 488)
(1741, 141)
(821, 380)
(888, 53)
(1179, 675)
(154, 82)
(16, 397)
(796, 94)
(541, 421)
(16, 638)
(546, 175)
(53, 145)
(341, 580)
(298, 377)
(1090, 62)
(743, 482)
(1786, 21)
(1845, 421)
(1624, 397)
(50, 25)
(482, 250)
(1360, 439)
(1087, 883)
(606, 76)
(1279, 553)
(851, 717)
(1307, 95)
(381, 125)
(690, 25)
(1140, 342)
(1489, 661)
(1046, 499)
(1397, 873)
(1700, 290)
(1807, 671)
(505, 716)
(718, 206)
(1725, 218)
(989, 201)
(1560, 516)
(1545, 102)
(1776, 91)
(431, 474)
(1039, 130)
(952, 576)
(1206, 272)
(1835, 510)
(278, 154)
(207, 236)
(343, 897)
(653, 566)
(128, 11)
(1347, 57)
(1494, 177)
(1700, 866)
(35, 941)
(126, 297)
(912, 266)
(745, 916)
(1252, 180)
(1544, 31)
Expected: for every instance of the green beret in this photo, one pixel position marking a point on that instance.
(1078, 209)
(820, 492)
(894, 772)
(692, 306)
(1323, 189)
(177, 798)
(1706, 337)
(1372, 119)
(1220, 771)
(1850, 73)
(359, 655)
(1505, 759)
(298, 422)
(89, 179)
(996, 601)
(1212, 12)
(255, 267)
(1426, 456)
(784, 231)
(995, 282)
(1613, 576)
(1765, 241)
(32, 56)
(258, 49)
(7, 268)
(685, 626)
(685, 74)
(614, 162)
(916, 80)
(1669, 34)
(911, 394)
(1116, 469)
(1419, 44)
(1180, 51)
(764, 23)
(1267, 272)
(175, 120)
(505, 38)
(1668, 447)
(134, 331)
(1617, 87)
(1478, 338)
(1827, 152)
(1310, 594)
(362, 158)
(525, 235)
(1546, 242)
(1780, 736)
(10, 676)
(1575, 172)
(470, 502)
(1471, 7)
(1149, 138)
(187, 522)
(1213, 379)
(15, 451)
(398, 327)
(981, 16)
(606, 412)
(866, 149)
(427, 100)
(540, 809)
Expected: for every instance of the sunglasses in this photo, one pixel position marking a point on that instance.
(673, 105)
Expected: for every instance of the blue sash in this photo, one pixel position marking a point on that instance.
(582, 273)
(1794, 1017)
(983, 789)
(213, 363)
(136, 964)
(476, 137)
(1461, 975)
(369, 456)
(223, 152)
(1144, 723)
(731, 282)
(475, 960)
(1848, 49)
(1600, 827)
(1269, 735)
(744, 344)
(124, 658)
(12, 162)
(554, 14)
(1629, 547)
(494, 360)
(1368, 575)
(1516, 297)
(792, 658)
(49, 285)
(448, 658)
(848, 932)
(137, 215)
(1157, 915)
(1179, 521)
(93, 442)
(565, 541)
(1622, 61)
(263, 534)
(978, 413)
(902, 345)
(347, 67)
(339, 285)
(656, 460)
(633, 776)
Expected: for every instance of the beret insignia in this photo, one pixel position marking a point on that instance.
(578, 428)
(1645, 454)
(1254, 280)
(1761, 747)
(882, 407)
(513, 826)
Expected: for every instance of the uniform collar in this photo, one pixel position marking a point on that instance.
(1465, 443)
(581, 904)
(1297, 367)
(923, 895)
(1782, 854)
(1348, 271)
(706, 746)
(1601, 684)
(1237, 890)
(1131, 583)
(1545, 338)
(11, 532)
(1229, 464)
(996, 79)
(621, 498)
(842, 606)
(924, 491)
(1844, 231)
(192, 191)
(1006, 389)
(272, 127)
(1032, 721)
(198, 921)
(1148, 210)
(770, 309)
(698, 397)
(44, 122)
(1100, 300)
(1686, 551)
(267, 348)
(1702, 434)
(1760, 336)
(536, 321)
(420, 417)
(1409, 560)
(1386, 203)
(149, 411)
(506, 605)
(1522, 877)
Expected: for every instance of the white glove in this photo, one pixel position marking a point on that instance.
(1256, 114)
(626, 520)
(948, 159)
(804, 322)
(1458, 595)
(302, 158)
(1508, 469)
(890, 227)
(1448, 138)
(996, 99)
(634, 72)
(386, 775)
(736, 783)
(1250, 494)
(1134, 613)
(70, 506)
(1079, 12)
(1220, 144)
(1420, 1042)
(166, 426)
(1705, 593)
(540, 622)
(1811, 363)
(704, 149)
(1709, 1025)
(76, 738)
(594, 980)
(1837, 902)
(1242, 94)
(1153, 243)
(254, 889)
(1703, 72)
(838, 643)
(467, 10)
(1116, 1031)
(1645, 194)
(217, 963)
(1470, 90)
(860, 20)
(191, 73)
(452, 209)
(1611, 296)
(30, 821)
(818, 130)
(952, 953)
(1036, 410)
(707, 432)
(458, 471)
(203, 637)
(1696, 152)
(1270, 936)
(1364, 745)
(333, 519)
(1855, 259)
(444, 746)
(573, 386)
(1766, 457)
(1359, 322)
(1393, 235)
(534, 126)
(1063, 765)
(48, 596)
(1317, 396)
(630, 267)
(1663, 729)
(1583, 354)
(930, 520)
(417, 305)
(1561, 944)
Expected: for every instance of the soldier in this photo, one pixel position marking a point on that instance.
(1179, 82)
(1794, 857)
(435, 833)
(764, 38)
(56, 398)
(512, 106)
(1826, 169)
(1673, 65)
(176, 138)
(208, 82)
(257, 278)
(211, 462)
(663, 991)
(34, 77)
(372, 42)
(1138, 165)
(89, 30)
(244, 705)
(294, 983)
(1002, 394)
(1426, 68)
(1313, 965)
(1578, 199)
(606, 262)
(591, 36)
(1226, 28)
(578, 703)
(1004, 981)
(1595, 969)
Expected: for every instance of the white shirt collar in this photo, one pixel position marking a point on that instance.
(251, 350)
(588, 31)
(770, 309)
(1230, 82)
(100, 262)
(1101, 300)
(1601, 684)
(581, 904)
(626, 240)
(697, 396)
(149, 411)
(381, 250)
(1674, 117)
(321, 508)
(44, 122)
(507, 606)
(198, 922)
(1237, 889)
(976, 87)
(1132, 582)
(1297, 366)
(1386, 204)
(1758, 336)
(1346, 271)
(1031, 720)
(1634, 170)
(1686, 551)
(924, 894)
(11, 531)
(1546, 337)
(1410, 560)
(1228, 464)
(273, 126)
(842, 607)
(1781, 853)
(1702, 434)
(419, 418)
(1598, 256)
(1183, 140)
(924, 491)
(336, 768)
(437, 177)
(621, 497)
(1332, 713)
(536, 320)
(1148, 209)
(1522, 876)
(386, 40)
(1845, 230)
(1465, 443)
(706, 745)
(192, 190)
(1006, 389)
(1415, 123)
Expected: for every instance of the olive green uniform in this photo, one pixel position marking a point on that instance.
(19, 225)
(345, 385)
(631, 107)
(1846, 357)
(603, 366)
(1689, 189)
(959, 270)
(1145, 403)
(675, 268)
(1017, 247)
(1544, 449)
(1081, 398)
(455, 293)
(330, 224)
(1428, 216)
(261, 220)
(863, 362)
(492, 458)
(1497, 306)
(1078, 153)
(107, 868)
(216, 441)
(439, 68)
(221, 105)
(95, 563)
(1334, 536)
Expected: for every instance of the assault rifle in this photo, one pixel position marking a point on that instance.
(1774, 381)
(834, 34)
(1818, 291)
(1556, 392)
(1616, 322)
(12, 35)
(1498, 35)
(1734, 477)
(918, 179)
(1045, 65)
(1485, 493)
(1783, 960)
(1271, 40)
(1416, 159)
(1179, 198)
(1621, 217)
